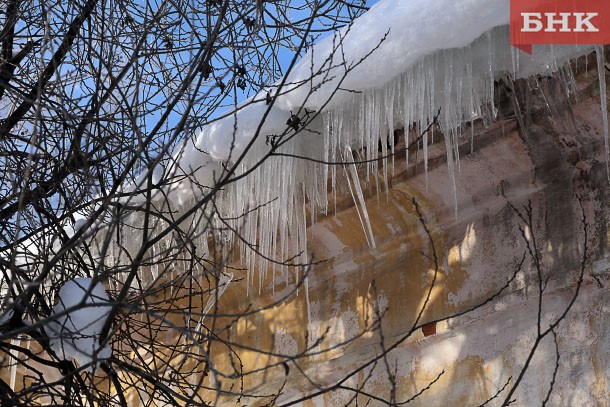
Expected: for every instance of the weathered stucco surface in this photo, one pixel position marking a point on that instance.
(560, 156)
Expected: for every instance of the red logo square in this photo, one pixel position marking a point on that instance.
(559, 22)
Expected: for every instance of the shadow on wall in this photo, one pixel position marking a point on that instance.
(482, 352)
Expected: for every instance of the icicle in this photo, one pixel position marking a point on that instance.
(308, 304)
(214, 295)
(570, 81)
(275, 194)
(491, 76)
(15, 356)
(389, 113)
(471, 136)
(601, 69)
(358, 197)
(154, 257)
(514, 53)
(425, 143)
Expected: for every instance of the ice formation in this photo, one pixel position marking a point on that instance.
(77, 320)
(425, 56)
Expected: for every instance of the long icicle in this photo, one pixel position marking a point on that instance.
(359, 202)
(601, 69)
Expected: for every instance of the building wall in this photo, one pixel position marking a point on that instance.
(560, 156)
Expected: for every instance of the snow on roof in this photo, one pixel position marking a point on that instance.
(416, 30)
